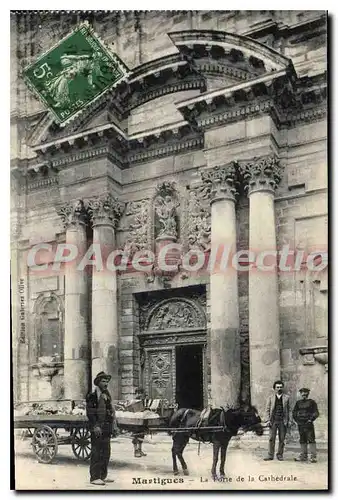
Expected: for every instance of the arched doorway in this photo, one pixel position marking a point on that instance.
(173, 345)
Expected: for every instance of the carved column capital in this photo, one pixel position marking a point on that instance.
(105, 210)
(73, 214)
(223, 181)
(262, 174)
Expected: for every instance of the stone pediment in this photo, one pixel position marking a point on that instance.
(214, 78)
(46, 130)
(205, 60)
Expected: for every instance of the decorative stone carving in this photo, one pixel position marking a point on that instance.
(171, 314)
(323, 359)
(160, 364)
(223, 181)
(312, 354)
(105, 210)
(308, 359)
(166, 217)
(47, 367)
(262, 174)
(137, 238)
(199, 217)
(148, 303)
(73, 214)
(159, 341)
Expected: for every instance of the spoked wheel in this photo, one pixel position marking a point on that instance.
(44, 443)
(81, 444)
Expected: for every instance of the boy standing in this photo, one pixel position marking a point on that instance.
(305, 413)
(138, 437)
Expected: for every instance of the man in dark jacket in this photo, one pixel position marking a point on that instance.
(102, 424)
(305, 413)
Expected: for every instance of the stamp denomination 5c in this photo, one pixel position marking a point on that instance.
(74, 73)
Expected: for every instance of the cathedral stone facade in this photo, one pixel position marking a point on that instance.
(218, 136)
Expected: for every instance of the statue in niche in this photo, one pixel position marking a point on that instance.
(165, 207)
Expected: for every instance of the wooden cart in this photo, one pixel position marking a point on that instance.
(48, 431)
(46, 437)
(45, 431)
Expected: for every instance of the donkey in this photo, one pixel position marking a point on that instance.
(230, 421)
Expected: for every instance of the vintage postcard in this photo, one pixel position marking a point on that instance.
(169, 254)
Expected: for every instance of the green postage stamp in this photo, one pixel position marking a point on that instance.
(74, 73)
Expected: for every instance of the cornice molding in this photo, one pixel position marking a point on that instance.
(179, 147)
(87, 154)
(42, 183)
(268, 57)
(160, 64)
(279, 29)
(210, 96)
(289, 102)
(194, 83)
(85, 136)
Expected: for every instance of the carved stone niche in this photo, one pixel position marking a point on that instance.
(312, 354)
(47, 344)
(166, 220)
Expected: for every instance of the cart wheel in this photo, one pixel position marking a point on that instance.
(81, 444)
(44, 443)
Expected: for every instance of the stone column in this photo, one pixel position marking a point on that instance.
(105, 213)
(261, 176)
(224, 335)
(76, 344)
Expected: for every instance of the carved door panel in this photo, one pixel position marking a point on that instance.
(160, 370)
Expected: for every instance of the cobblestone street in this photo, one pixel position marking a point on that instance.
(245, 469)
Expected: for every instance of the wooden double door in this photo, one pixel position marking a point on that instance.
(176, 373)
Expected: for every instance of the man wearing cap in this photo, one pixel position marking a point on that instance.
(305, 413)
(102, 424)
